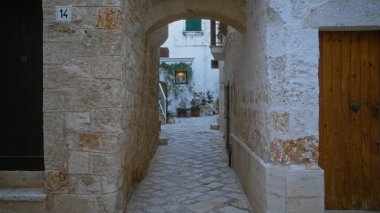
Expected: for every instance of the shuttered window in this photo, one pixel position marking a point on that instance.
(193, 25)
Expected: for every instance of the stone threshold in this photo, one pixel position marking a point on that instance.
(22, 194)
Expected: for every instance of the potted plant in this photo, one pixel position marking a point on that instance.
(196, 103)
(169, 117)
(182, 108)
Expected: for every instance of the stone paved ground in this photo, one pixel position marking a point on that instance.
(190, 174)
(350, 211)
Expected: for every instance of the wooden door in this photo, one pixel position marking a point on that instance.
(21, 144)
(349, 125)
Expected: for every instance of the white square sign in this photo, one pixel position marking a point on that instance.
(63, 13)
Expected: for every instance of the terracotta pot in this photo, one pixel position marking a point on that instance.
(195, 112)
(181, 113)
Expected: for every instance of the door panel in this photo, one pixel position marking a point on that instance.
(21, 145)
(349, 125)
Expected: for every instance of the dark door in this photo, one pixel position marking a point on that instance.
(349, 125)
(21, 144)
(228, 122)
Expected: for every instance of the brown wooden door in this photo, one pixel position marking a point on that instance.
(21, 135)
(349, 125)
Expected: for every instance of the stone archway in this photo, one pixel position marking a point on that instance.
(163, 12)
(99, 82)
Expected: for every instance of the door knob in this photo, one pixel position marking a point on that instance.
(23, 59)
(355, 106)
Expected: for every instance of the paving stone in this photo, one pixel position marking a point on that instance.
(190, 174)
(201, 207)
(230, 209)
(241, 205)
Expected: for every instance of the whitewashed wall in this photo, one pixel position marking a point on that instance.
(193, 46)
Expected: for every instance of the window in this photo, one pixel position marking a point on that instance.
(214, 64)
(164, 52)
(194, 25)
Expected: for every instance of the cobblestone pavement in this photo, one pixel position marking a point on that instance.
(190, 174)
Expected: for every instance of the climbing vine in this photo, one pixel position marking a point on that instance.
(168, 72)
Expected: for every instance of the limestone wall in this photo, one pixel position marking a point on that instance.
(292, 61)
(100, 113)
(292, 54)
(245, 72)
(162, 12)
(83, 106)
(272, 69)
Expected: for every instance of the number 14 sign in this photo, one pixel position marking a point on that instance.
(63, 13)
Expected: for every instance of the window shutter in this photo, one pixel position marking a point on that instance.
(193, 25)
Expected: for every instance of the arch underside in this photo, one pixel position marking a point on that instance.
(230, 12)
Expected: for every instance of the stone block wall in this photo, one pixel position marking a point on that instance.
(292, 60)
(83, 137)
(100, 113)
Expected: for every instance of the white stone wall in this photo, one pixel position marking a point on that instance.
(275, 97)
(193, 46)
(292, 60)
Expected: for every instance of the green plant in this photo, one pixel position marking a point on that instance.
(168, 72)
(201, 99)
(170, 117)
(183, 103)
(209, 97)
(169, 114)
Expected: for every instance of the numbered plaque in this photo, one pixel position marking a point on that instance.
(63, 13)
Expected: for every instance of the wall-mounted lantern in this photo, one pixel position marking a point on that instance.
(181, 77)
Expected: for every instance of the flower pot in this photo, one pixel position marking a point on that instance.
(195, 112)
(181, 113)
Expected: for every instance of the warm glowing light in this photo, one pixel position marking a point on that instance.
(181, 77)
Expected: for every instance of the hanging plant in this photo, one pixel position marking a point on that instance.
(168, 71)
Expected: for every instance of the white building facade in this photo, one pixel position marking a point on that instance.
(191, 44)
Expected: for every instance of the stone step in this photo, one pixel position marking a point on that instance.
(163, 141)
(214, 126)
(22, 194)
(31, 200)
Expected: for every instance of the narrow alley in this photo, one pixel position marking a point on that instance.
(190, 173)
